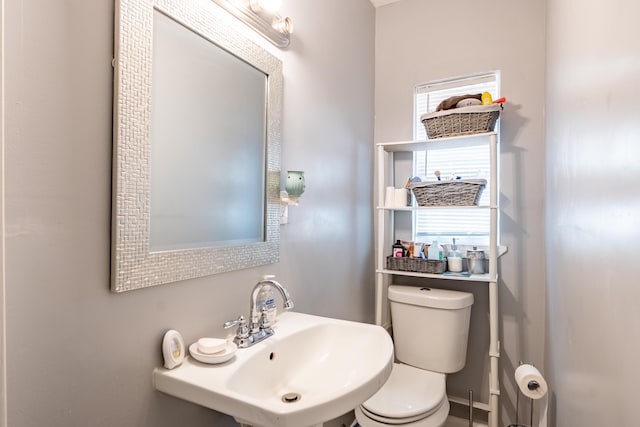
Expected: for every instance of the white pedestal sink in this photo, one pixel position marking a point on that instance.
(313, 369)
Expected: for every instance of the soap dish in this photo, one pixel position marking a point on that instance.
(213, 358)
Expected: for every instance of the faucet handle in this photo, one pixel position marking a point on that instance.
(265, 322)
(241, 322)
(232, 323)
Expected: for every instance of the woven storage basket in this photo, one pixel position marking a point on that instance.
(418, 265)
(461, 121)
(459, 192)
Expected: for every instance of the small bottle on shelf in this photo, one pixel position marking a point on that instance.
(435, 251)
(454, 259)
(418, 249)
(398, 249)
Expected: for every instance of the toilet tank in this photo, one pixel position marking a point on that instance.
(430, 327)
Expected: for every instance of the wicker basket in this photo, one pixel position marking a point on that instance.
(461, 121)
(418, 265)
(459, 192)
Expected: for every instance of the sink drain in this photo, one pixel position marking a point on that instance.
(291, 397)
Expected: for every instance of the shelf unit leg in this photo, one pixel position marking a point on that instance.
(494, 354)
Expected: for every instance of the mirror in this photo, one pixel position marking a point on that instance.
(208, 124)
(197, 117)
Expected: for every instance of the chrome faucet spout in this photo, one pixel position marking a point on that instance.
(259, 323)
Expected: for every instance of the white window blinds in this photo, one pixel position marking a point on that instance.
(468, 226)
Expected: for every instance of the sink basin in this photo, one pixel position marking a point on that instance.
(313, 369)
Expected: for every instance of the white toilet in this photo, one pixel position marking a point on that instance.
(430, 332)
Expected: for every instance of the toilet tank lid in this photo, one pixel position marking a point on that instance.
(430, 297)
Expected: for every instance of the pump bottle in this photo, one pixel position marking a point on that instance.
(267, 300)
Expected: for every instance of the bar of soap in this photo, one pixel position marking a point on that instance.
(211, 345)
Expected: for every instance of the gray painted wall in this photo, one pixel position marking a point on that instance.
(79, 355)
(593, 211)
(422, 40)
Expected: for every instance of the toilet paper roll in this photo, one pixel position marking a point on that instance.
(530, 381)
(401, 196)
(389, 197)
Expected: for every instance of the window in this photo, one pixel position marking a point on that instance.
(468, 226)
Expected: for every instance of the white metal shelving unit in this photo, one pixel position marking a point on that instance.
(385, 238)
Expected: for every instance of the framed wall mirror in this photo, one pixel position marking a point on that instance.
(197, 135)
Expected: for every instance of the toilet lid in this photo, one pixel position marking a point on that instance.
(408, 393)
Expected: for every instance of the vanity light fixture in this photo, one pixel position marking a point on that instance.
(262, 17)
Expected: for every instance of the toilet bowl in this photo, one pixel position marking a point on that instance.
(411, 397)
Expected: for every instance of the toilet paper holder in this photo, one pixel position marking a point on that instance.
(532, 385)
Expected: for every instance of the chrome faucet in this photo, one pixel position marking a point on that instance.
(259, 325)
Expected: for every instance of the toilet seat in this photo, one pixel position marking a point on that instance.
(436, 419)
(409, 395)
(392, 421)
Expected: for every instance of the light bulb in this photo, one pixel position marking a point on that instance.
(255, 5)
(283, 25)
(271, 5)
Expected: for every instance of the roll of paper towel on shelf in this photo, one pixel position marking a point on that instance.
(530, 381)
